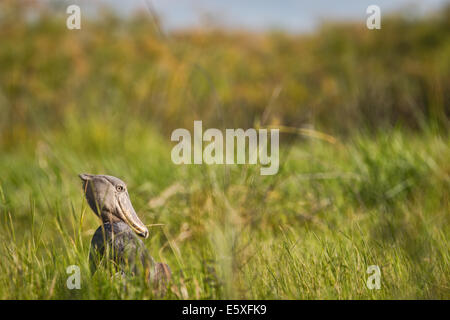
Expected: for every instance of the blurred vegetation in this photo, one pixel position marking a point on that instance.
(104, 99)
(341, 78)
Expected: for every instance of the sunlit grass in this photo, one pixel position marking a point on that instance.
(309, 232)
(364, 171)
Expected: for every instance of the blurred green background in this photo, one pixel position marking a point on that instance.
(105, 99)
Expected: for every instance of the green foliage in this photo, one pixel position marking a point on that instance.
(103, 100)
(341, 78)
(309, 232)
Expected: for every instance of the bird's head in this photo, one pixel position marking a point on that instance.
(109, 199)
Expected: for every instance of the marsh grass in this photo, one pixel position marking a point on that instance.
(309, 232)
(364, 162)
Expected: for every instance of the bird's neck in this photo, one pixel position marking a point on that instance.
(107, 217)
(116, 227)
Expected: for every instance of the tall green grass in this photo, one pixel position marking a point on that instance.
(106, 98)
(339, 79)
(309, 232)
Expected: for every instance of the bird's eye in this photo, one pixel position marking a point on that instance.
(120, 188)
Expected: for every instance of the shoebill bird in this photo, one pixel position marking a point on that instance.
(117, 237)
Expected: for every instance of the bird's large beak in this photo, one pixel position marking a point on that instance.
(127, 213)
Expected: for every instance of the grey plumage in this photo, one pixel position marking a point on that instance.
(116, 239)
